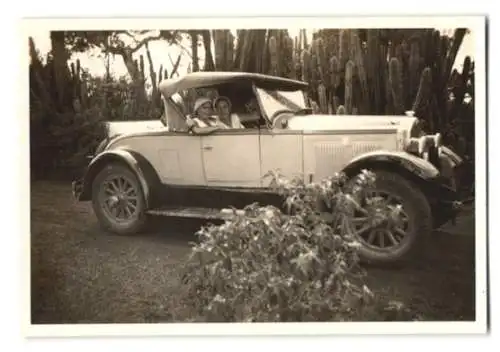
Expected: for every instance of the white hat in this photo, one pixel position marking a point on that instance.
(200, 101)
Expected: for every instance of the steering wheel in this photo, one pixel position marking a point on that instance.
(275, 119)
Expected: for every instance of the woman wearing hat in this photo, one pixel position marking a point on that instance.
(222, 106)
(202, 120)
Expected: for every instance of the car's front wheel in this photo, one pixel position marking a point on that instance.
(118, 201)
(392, 221)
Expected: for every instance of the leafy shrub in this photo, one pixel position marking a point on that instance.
(265, 265)
(61, 139)
(119, 101)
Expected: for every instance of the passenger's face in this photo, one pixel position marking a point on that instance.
(223, 108)
(205, 110)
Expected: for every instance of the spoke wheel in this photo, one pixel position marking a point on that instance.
(392, 220)
(382, 224)
(118, 200)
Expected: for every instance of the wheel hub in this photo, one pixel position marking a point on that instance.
(119, 199)
(382, 222)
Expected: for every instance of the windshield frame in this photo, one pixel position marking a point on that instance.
(267, 113)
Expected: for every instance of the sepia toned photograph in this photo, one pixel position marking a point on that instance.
(256, 174)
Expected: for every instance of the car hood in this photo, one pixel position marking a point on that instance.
(116, 128)
(349, 122)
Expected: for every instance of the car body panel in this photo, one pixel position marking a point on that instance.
(82, 189)
(232, 158)
(193, 160)
(329, 152)
(175, 156)
(419, 166)
(281, 150)
(349, 122)
(116, 128)
(227, 167)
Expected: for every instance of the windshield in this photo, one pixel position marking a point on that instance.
(274, 100)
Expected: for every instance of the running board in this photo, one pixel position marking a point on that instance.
(194, 212)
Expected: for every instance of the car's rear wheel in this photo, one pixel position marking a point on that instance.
(393, 220)
(118, 200)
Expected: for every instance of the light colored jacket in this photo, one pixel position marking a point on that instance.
(235, 121)
(215, 121)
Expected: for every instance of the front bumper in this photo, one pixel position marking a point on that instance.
(446, 204)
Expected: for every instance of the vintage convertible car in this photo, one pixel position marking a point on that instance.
(165, 169)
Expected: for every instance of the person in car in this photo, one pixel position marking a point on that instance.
(222, 107)
(202, 121)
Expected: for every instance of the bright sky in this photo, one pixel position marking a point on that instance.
(160, 51)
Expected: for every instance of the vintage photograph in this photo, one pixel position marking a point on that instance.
(200, 175)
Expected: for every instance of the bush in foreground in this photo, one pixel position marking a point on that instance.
(269, 266)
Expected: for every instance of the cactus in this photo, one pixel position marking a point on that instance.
(335, 103)
(244, 50)
(414, 66)
(396, 85)
(273, 53)
(313, 69)
(306, 64)
(315, 107)
(289, 67)
(335, 72)
(344, 47)
(423, 93)
(349, 72)
(358, 58)
(297, 73)
(382, 75)
(229, 44)
(220, 38)
(321, 60)
(323, 102)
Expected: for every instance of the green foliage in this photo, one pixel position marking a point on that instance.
(67, 113)
(268, 266)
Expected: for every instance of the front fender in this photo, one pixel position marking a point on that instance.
(442, 197)
(145, 173)
(401, 160)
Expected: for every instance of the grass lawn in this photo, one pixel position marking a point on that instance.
(81, 275)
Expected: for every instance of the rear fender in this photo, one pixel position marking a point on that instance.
(146, 174)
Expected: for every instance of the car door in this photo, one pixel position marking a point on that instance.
(281, 150)
(231, 158)
(181, 159)
(175, 156)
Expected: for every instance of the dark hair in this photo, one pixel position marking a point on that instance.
(219, 99)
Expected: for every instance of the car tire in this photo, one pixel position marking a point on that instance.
(419, 222)
(127, 199)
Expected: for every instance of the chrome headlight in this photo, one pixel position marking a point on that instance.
(416, 130)
(425, 145)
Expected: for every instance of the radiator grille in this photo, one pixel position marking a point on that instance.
(334, 156)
